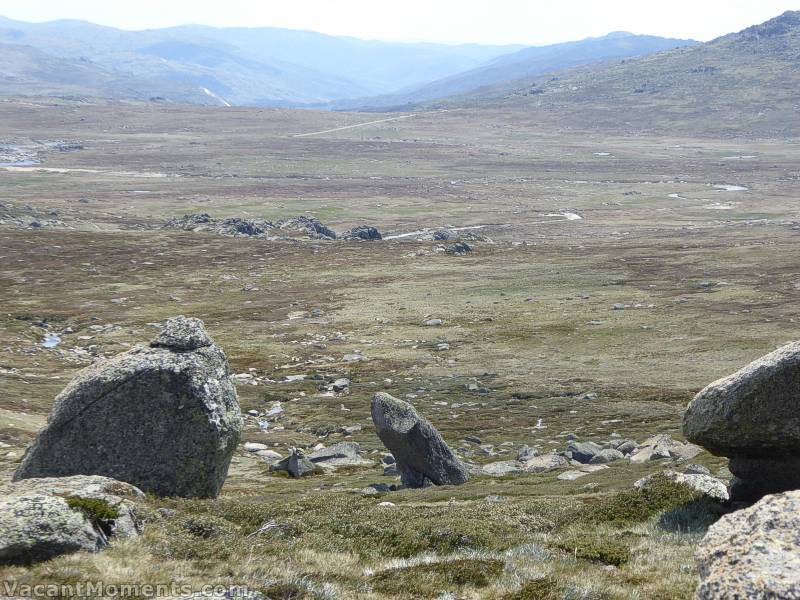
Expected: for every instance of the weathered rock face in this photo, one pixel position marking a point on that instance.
(163, 417)
(36, 527)
(753, 553)
(753, 417)
(419, 450)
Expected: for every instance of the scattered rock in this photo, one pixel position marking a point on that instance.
(752, 418)
(605, 456)
(583, 452)
(753, 553)
(696, 470)
(269, 455)
(419, 450)
(376, 489)
(432, 323)
(350, 429)
(255, 447)
(664, 447)
(525, 453)
(581, 472)
(544, 463)
(341, 454)
(341, 386)
(499, 469)
(297, 464)
(363, 232)
(458, 249)
(163, 417)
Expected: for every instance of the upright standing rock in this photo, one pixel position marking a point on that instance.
(753, 417)
(419, 450)
(163, 417)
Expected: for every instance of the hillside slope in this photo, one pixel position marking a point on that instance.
(742, 83)
(27, 71)
(532, 62)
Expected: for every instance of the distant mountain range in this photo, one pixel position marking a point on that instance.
(266, 66)
(745, 82)
(271, 67)
(528, 62)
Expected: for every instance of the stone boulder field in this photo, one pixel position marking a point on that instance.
(163, 417)
(435, 354)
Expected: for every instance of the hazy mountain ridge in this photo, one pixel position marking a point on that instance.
(241, 66)
(530, 62)
(740, 82)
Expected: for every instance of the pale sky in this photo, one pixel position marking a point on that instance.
(531, 22)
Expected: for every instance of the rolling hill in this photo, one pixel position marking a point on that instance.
(741, 83)
(531, 62)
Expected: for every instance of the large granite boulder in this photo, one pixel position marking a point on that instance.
(753, 417)
(753, 554)
(419, 449)
(163, 417)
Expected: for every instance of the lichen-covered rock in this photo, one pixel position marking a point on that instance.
(163, 417)
(753, 554)
(544, 463)
(117, 495)
(705, 484)
(502, 468)
(754, 412)
(37, 527)
(418, 448)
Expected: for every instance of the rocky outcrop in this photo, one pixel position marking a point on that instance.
(753, 417)
(305, 227)
(44, 518)
(163, 417)
(419, 450)
(753, 554)
(363, 232)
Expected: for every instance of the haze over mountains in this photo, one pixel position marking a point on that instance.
(530, 62)
(745, 82)
(269, 66)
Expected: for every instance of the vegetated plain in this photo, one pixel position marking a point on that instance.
(668, 281)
